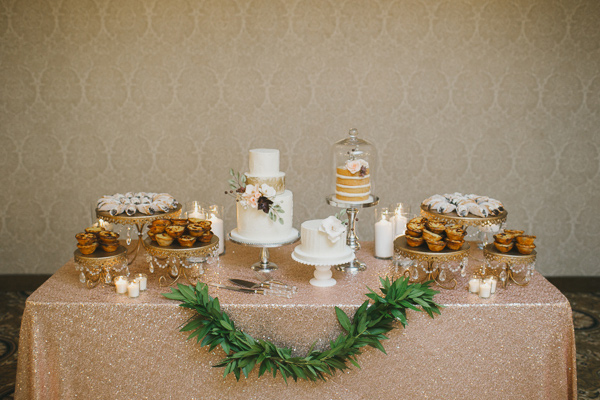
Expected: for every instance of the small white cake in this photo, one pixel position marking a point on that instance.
(253, 224)
(323, 242)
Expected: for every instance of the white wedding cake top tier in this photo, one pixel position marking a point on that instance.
(264, 163)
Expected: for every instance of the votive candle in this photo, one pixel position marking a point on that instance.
(485, 289)
(474, 284)
(121, 284)
(494, 283)
(133, 289)
(142, 279)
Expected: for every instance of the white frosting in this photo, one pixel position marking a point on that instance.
(353, 187)
(352, 194)
(352, 177)
(264, 162)
(316, 244)
(253, 225)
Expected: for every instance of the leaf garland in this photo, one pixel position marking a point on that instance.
(212, 327)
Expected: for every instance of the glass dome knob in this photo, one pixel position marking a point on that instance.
(353, 133)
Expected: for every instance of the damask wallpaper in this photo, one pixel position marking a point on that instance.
(494, 97)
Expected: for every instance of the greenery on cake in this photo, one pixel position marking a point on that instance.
(253, 196)
(213, 327)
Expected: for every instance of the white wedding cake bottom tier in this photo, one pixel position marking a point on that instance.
(317, 249)
(255, 226)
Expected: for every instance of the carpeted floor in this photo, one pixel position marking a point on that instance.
(586, 316)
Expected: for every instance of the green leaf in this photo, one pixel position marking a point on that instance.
(343, 318)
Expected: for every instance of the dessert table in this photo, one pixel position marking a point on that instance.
(77, 342)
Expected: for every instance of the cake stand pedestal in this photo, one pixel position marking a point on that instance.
(100, 266)
(264, 265)
(323, 275)
(514, 263)
(352, 209)
(139, 220)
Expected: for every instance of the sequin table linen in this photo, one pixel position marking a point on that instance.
(94, 344)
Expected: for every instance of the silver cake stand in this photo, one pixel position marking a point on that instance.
(351, 237)
(264, 265)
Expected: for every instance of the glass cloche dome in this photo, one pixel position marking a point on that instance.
(354, 160)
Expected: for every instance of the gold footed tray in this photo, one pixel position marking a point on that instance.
(514, 263)
(139, 220)
(422, 255)
(177, 256)
(471, 220)
(100, 266)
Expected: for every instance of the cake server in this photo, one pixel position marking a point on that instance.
(266, 285)
(263, 291)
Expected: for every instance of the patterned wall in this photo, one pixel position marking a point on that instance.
(495, 97)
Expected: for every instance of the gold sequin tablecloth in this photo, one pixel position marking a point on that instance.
(94, 344)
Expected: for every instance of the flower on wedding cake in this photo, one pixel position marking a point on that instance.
(250, 196)
(333, 227)
(258, 197)
(267, 190)
(355, 166)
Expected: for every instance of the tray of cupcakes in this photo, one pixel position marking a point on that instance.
(514, 242)
(98, 242)
(180, 233)
(423, 233)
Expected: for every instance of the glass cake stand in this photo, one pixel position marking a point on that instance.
(264, 265)
(351, 238)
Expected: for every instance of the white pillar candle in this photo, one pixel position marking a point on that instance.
(121, 284)
(493, 283)
(142, 279)
(400, 222)
(384, 239)
(474, 284)
(217, 229)
(133, 289)
(485, 289)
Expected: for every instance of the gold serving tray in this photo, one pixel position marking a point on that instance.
(100, 258)
(422, 253)
(471, 220)
(491, 253)
(137, 218)
(199, 249)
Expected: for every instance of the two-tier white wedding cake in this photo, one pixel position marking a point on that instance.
(265, 210)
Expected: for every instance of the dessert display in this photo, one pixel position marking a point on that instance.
(510, 238)
(165, 231)
(434, 234)
(140, 202)
(463, 205)
(264, 206)
(323, 241)
(353, 181)
(97, 237)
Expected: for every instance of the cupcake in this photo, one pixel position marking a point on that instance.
(503, 248)
(414, 241)
(174, 231)
(85, 239)
(525, 249)
(186, 241)
(163, 239)
(87, 249)
(525, 239)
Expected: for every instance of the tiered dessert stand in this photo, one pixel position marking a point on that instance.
(265, 265)
(100, 266)
(513, 263)
(484, 224)
(179, 259)
(139, 220)
(352, 209)
(435, 265)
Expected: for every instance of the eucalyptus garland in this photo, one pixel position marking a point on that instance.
(213, 327)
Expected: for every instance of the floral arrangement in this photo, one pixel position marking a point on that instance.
(257, 197)
(358, 165)
(333, 228)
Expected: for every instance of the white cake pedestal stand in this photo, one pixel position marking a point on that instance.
(264, 265)
(352, 239)
(323, 274)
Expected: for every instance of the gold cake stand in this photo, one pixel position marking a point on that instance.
(510, 260)
(139, 220)
(100, 266)
(178, 257)
(427, 258)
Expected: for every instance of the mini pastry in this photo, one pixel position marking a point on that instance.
(408, 232)
(206, 225)
(152, 235)
(109, 247)
(195, 230)
(525, 249)
(206, 237)
(195, 220)
(163, 239)
(431, 237)
(87, 249)
(108, 237)
(414, 241)
(161, 222)
(157, 228)
(94, 229)
(85, 239)
(513, 232)
(504, 248)
(436, 246)
(186, 241)
(454, 244)
(455, 232)
(435, 227)
(525, 239)
(419, 220)
(503, 238)
(174, 231)
(179, 222)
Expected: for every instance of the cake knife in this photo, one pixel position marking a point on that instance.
(263, 291)
(264, 285)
